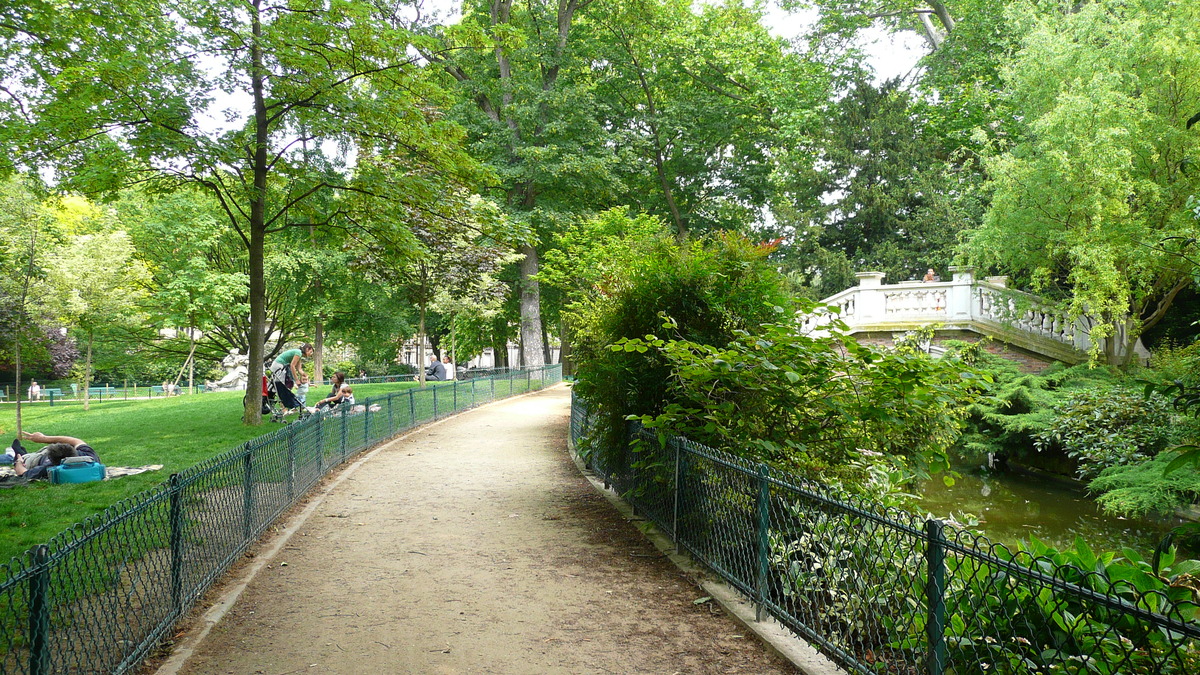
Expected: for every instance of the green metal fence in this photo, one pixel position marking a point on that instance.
(99, 597)
(881, 591)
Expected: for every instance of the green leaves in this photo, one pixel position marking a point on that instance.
(1185, 455)
(1085, 197)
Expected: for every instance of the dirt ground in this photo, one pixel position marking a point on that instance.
(475, 546)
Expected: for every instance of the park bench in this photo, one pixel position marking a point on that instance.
(101, 391)
(52, 391)
(155, 389)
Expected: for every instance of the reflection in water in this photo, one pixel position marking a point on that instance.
(1015, 506)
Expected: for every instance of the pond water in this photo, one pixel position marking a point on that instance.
(1015, 505)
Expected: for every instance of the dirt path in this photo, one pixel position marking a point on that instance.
(474, 546)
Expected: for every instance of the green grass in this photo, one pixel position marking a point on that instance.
(177, 432)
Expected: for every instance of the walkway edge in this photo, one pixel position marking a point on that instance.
(183, 650)
(773, 635)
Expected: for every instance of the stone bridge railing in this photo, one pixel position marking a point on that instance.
(986, 307)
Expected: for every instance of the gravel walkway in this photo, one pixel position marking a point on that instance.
(472, 545)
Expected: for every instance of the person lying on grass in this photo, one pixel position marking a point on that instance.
(36, 465)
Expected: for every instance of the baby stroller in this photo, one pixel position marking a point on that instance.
(273, 405)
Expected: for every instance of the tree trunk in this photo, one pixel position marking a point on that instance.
(87, 373)
(17, 366)
(531, 310)
(564, 354)
(192, 359)
(252, 414)
(499, 354)
(319, 324)
(421, 347)
(318, 351)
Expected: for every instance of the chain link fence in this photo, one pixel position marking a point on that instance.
(882, 591)
(99, 597)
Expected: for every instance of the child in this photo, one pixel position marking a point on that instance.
(302, 388)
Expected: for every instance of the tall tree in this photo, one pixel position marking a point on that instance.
(525, 78)
(445, 259)
(117, 92)
(26, 237)
(1088, 201)
(878, 191)
(196, 279)
(95, 282)
(697, 96)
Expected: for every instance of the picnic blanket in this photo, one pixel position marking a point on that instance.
(7, 473)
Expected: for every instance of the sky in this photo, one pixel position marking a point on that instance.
(890, 55)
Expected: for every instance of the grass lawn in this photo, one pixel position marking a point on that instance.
(177, 432)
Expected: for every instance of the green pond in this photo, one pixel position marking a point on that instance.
(1014, 505)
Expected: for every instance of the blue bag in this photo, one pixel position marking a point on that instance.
(77, 470)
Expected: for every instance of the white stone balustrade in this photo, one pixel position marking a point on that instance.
(986, 307)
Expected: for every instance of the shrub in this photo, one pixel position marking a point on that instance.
(711, 287)
(1138, 489)
(823, 406)
(1108, 426)
(1021, 405)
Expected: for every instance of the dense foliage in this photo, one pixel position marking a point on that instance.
(1020, 407)
(1104, 427)
(822, 406)
(711, 287)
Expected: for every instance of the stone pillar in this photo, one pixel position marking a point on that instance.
(869, 307)
(958, 297)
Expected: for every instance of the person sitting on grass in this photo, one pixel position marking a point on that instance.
(36, 465)
(338, 379)
(344, 395)
(435, 371)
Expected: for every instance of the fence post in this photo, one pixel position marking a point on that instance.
(39, 612)
(491, 381)
(176, 525)
(455, 387)
(248, 493)
(345, 430)
(412, 407)
(678, 488)
(435, 410)
(474, 402)
(935, 587)
(367, 424)
(764, 524)
(51, 394)
(391, 415)
(291, 450)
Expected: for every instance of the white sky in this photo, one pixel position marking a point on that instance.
(890, 55)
